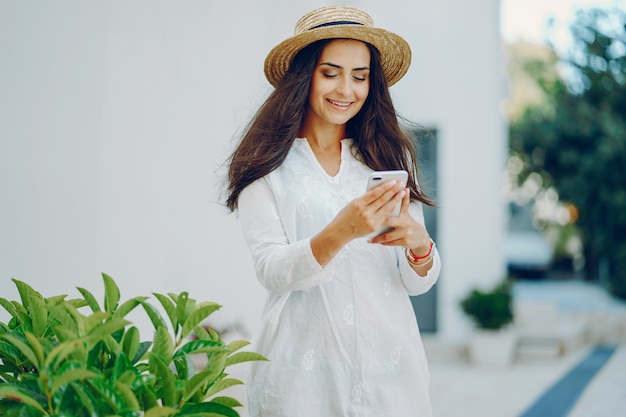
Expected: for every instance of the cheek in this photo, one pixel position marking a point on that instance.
(363, 92)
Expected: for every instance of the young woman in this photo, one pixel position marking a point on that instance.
(338, 326)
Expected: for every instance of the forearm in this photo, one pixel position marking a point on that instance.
(327, 243)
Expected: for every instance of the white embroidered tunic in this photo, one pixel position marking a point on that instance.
(342, 340)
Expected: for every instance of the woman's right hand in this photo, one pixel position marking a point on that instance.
(367, 213)
(359, 218)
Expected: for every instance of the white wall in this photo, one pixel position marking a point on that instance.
(115, 118)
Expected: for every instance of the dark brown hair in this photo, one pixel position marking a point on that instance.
(380, 142)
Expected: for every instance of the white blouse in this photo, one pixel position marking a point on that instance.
(341, 340)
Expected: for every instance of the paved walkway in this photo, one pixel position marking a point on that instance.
(576, 383)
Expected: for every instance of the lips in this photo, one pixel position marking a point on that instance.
(339, 103)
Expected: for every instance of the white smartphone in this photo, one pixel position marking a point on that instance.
(378, 177)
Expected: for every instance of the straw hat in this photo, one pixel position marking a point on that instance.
(341, 22)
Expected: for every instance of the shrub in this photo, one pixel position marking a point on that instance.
(57, 360)
(490, 309)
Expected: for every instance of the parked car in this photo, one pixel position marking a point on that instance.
(528, 254)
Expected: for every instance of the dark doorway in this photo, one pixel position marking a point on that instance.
(425, 143)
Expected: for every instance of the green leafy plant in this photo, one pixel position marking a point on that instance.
(56, 360)
(490, 309)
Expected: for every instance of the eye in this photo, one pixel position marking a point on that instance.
(329, 74)
(359, 78)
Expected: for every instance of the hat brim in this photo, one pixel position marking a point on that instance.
(395, 52)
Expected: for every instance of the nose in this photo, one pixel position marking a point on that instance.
(345, 87)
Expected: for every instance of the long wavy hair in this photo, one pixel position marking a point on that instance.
(380, 141)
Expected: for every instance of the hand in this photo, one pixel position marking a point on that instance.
(407, 231)
(367, 213)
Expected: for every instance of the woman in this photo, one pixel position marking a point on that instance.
(338, 326)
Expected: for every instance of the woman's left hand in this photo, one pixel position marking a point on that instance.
(407, 232)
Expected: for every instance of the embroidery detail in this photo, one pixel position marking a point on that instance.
(387, 285)
(303, 208)
(265, 400)
(307, 360)
(357, 393)
(348, 314)
(395, 355)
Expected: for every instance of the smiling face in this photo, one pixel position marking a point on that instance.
(340, 83)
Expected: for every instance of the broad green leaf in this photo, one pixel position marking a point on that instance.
(128, 396)
(160, 412)
(94, 319)
(62, 352)
(77, 318)
(8, 351)
(121, 365)
(202, 333)
(111, 294)
(222, 385)
(23, 347)
(128, 306)
(130, 342)
(201, 346)
(167, 380)
(17, 394)
(244, 357)
(8, 306)
(207, 376)
(141, 352)
(56, 300)
(163, 344)
(197, 383)
(63, 333)
(237, 344)
(36, 348)
(198, 316)
(102, 330)
(69, 376)
(154, 315)
(227, 401)
(87, 399)
(214, 334)
(90, 299)
(66, 320)
(26, 292)
(39, 315)
(207, 409)
(77, 302)
(112, 344)
(181, 307)
(170, 309)
(184, 367)
(128, 377)
(107, 393)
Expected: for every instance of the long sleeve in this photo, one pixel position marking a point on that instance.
(415, 284)
(281, 263)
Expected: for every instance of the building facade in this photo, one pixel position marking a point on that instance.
(116, 119)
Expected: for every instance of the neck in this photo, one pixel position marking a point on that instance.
(325, 137)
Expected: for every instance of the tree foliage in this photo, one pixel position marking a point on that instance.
(580, 147)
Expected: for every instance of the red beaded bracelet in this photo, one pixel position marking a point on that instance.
(416, 259)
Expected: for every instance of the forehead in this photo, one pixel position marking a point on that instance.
(350, 52)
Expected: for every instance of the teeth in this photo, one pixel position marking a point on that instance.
(336, 103)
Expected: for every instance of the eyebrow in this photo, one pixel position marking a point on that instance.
(330, 64)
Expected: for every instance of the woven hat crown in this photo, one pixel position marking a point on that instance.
(340, 22)
(325, 16)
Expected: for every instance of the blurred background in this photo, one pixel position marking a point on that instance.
(116, 119)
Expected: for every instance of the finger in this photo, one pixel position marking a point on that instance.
(380, 191)
(406, 201)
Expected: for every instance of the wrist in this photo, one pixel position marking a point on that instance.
(416, 260)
